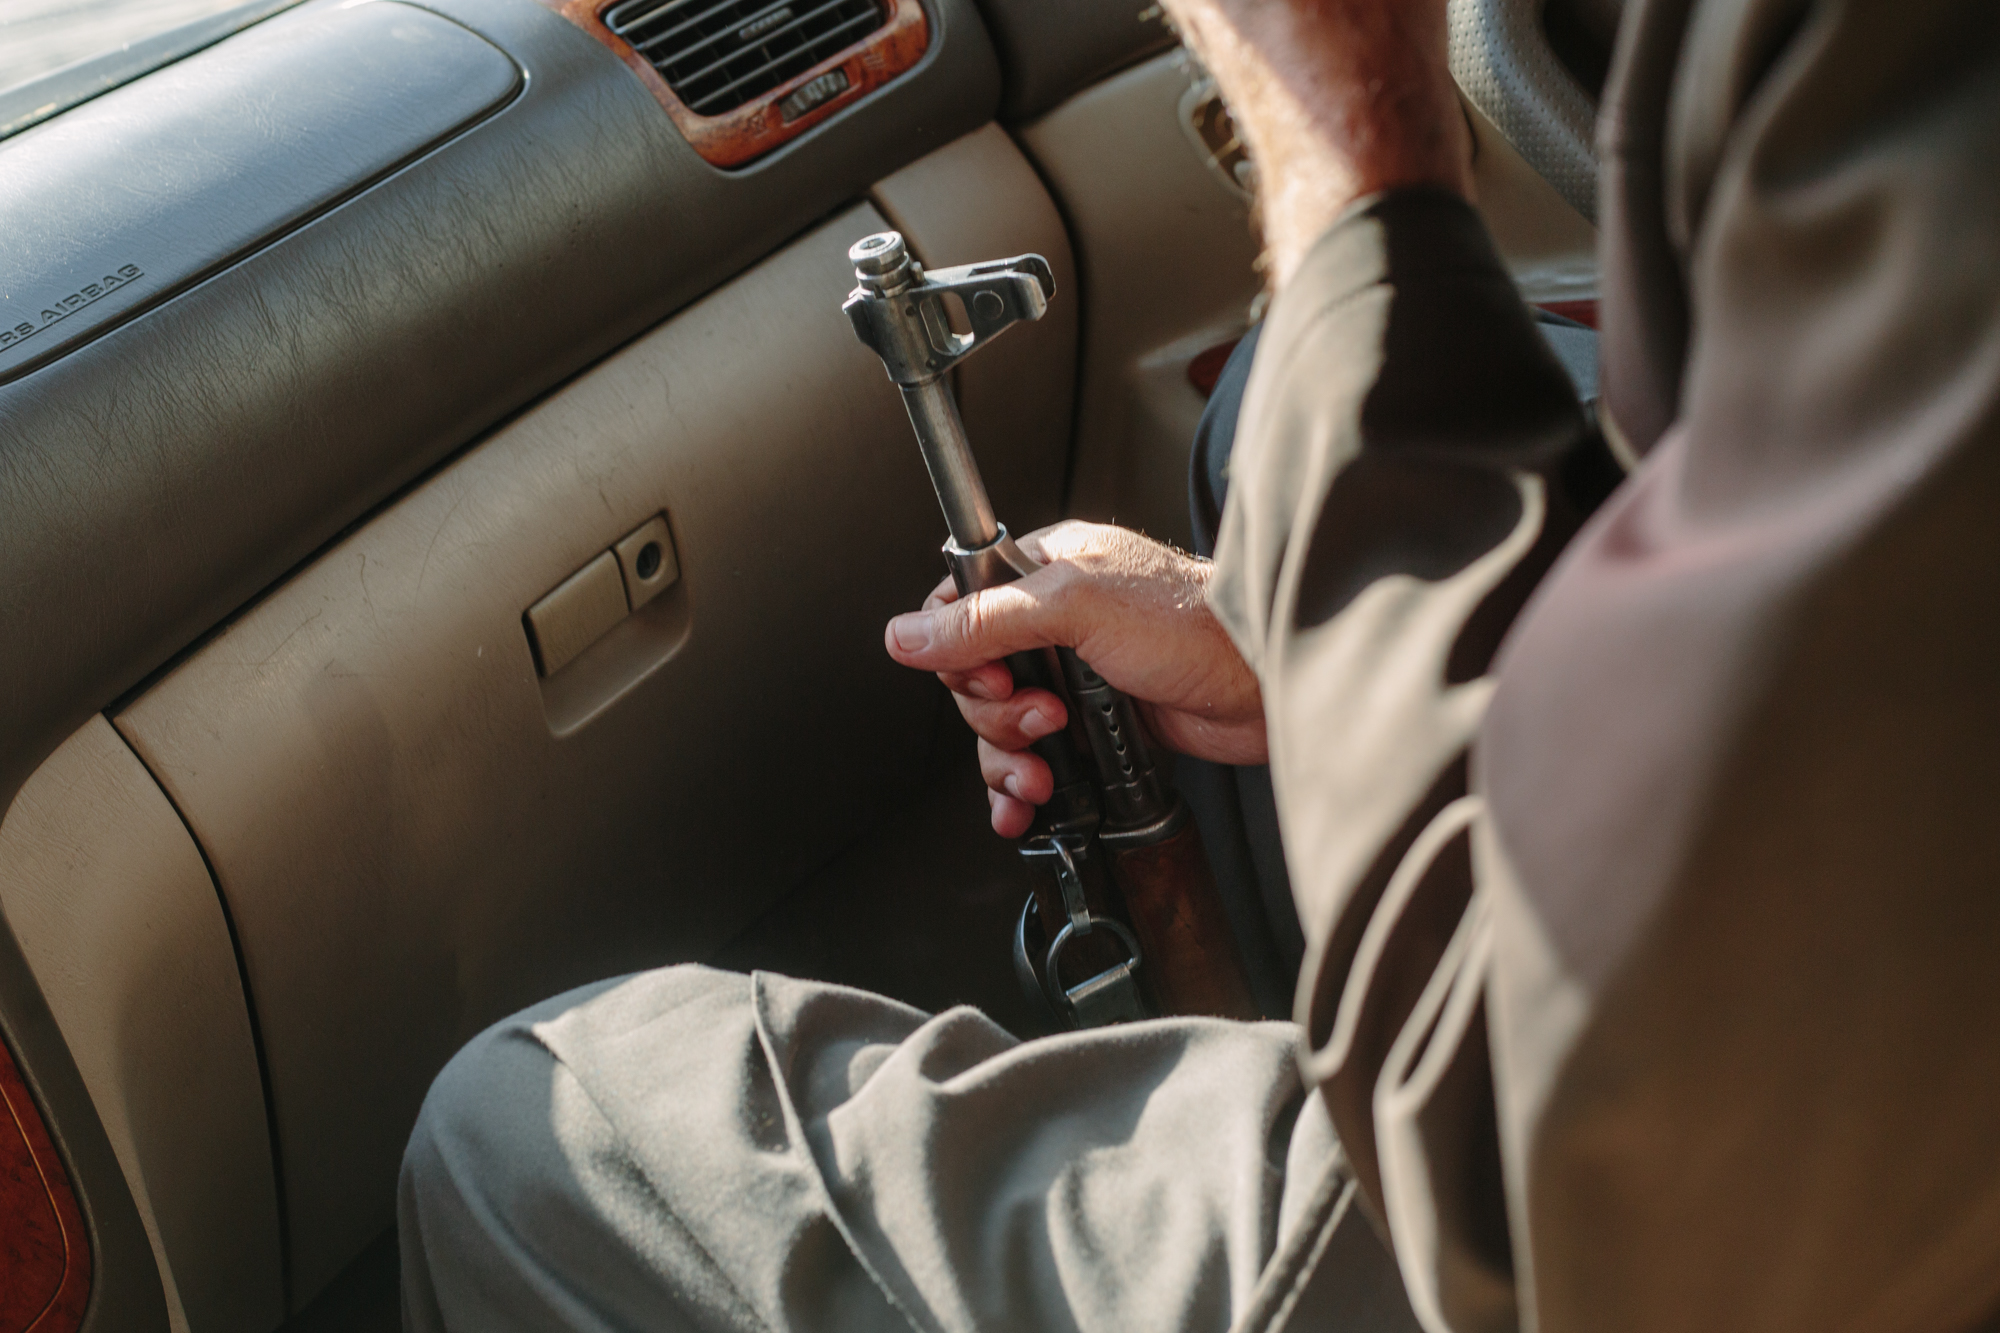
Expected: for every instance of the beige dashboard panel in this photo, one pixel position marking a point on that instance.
(1167, 258)
(977, 199)
(415, 837)
(119, 920)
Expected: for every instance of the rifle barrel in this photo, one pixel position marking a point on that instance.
(961, 492)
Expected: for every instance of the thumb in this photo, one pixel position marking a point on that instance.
(978, 629)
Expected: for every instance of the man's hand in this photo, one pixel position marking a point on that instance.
(1335, 99)
(1136, 610)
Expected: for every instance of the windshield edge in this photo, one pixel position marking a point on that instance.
(61, 90)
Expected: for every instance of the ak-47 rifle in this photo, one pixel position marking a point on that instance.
(1123, 895)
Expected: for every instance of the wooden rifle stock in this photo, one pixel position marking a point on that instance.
(1193, 966)
(1157, 861)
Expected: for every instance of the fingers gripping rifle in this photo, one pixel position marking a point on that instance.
(1123, 895)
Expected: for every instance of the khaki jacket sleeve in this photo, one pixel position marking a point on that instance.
(1740, 857)
(1409, 460)
(1683, 1013)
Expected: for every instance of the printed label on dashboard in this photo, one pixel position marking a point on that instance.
(55, 312)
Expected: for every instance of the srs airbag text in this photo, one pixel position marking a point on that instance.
(57, 311)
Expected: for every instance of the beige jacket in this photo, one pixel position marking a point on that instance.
(1676, 1005)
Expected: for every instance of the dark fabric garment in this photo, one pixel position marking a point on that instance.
(1215, 439)
(1575, 345)
(1674, 1009)
(1234, 805)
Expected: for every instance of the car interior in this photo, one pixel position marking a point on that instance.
(447, 527)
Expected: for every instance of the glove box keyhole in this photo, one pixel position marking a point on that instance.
(609, 625)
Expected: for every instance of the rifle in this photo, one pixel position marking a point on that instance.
(1123, 895)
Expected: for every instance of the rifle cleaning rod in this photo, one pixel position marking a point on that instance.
(968, 511)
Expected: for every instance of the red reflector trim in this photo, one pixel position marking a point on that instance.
(1206, 368)
(1583, 312)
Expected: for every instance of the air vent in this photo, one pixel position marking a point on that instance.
(718, 54)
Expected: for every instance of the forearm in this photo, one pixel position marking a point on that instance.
(1336, 100)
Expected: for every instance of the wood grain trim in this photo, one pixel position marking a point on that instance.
(756, 127)
(44, 1252)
